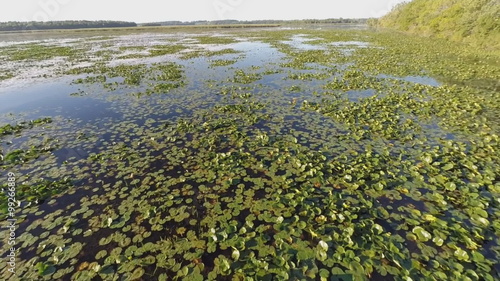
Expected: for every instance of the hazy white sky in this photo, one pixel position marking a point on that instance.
(188, 10)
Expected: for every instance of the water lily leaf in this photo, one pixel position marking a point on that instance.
(451, 186)
(45, 269)
(301, 225)
(438, 241)
(356, 267)
(478, 220)
(321, 255)
(461, 254)
(448, 166)
(429, 217)
(422, 234)
(378, 229)
(107, 270)
(148, 260)
(236, 254)
(101, 254)
(137, 273)
(323, 246)
(428, 159)
(183, 272)
(477, 257)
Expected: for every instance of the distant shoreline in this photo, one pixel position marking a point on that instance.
(141, 28)
(175, 27)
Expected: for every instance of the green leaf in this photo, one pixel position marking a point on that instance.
(448, 166)
(322, 245)
(302, 225)
(356, 267)
(422, 234)
(428, 159)
(477, 257)
(438, 241)
(450, 186)
(378, 229)
(107, 270)
(236, 254)
(138, 273)
(321, 256)
(461, 254)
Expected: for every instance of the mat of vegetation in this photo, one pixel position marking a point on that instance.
(258, 155)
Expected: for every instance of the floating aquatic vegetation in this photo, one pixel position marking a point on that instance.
(215, 63)
(160, 50)
(159, 77)
(35, 192)
(307, 76)
(220, 40)
(37, 52)
(242, 77)
(6, 76)
(314, 166)
(18, 128)
(196, 53)
(132, 48)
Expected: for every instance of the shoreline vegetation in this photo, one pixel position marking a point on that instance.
(472, 22)
(69, 24)
(14, 27)
(143, 28)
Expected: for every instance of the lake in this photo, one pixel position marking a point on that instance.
(293, 153)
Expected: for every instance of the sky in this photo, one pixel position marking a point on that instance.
(141, 11)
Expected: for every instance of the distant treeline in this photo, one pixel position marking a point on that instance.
(70, 24)
(76, 24)
(228, 22)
